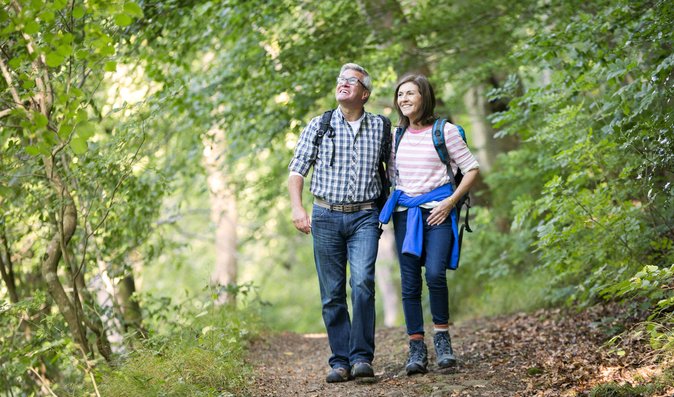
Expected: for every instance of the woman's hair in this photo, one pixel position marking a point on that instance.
(427, 100)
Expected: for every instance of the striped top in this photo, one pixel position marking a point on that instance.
(416, 165)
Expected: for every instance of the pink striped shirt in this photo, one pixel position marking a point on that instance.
(417, 167)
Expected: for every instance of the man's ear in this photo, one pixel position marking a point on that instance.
(366, 94)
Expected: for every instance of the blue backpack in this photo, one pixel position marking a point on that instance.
(438, 135)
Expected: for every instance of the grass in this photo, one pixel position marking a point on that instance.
(656, 385)
(204, 358)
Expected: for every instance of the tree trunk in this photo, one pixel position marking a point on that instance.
(131, 312)
(223, 216)
(66, 226)
(91, 318)
(487, 146)
(479, 109)
(387, 264)
(6, 265)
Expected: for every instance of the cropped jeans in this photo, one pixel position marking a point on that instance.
(434, 257)
(340, 237)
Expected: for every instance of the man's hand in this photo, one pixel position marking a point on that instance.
(301, 220)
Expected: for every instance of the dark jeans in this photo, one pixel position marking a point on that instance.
(436, 246)
(340, 237)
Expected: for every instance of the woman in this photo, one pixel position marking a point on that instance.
(424, 217)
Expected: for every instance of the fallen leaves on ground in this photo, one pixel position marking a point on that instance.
(545, 353)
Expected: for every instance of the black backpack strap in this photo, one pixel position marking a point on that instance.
(323, 127)
(386, 141)
(384, 154)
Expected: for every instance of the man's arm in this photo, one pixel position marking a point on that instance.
(300, 217)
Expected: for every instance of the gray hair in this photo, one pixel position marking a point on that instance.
(367, 81)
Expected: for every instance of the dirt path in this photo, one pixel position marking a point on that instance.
(547, 353)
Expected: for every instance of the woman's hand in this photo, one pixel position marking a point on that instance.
(441, 212)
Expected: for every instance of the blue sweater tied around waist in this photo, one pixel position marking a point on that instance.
(414, 234)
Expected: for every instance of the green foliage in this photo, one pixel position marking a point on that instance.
(197, 350)
(581, 211)
(50, 352)
(598, 138)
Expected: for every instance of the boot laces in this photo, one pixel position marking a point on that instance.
(442, 344)
(416, 352)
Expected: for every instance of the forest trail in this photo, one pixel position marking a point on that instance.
(546, 353)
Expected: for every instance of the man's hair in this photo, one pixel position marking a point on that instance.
(367, 81)
(427, 99)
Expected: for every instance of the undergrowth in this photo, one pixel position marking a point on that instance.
(203, 357)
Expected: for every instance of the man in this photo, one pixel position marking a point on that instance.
(344, 224)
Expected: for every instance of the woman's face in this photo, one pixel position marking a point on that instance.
(409, 101)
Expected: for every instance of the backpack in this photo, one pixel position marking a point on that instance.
(438, 135)
(385, 150)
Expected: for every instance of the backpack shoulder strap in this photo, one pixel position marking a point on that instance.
(386, 142)
(462, 133)
(439, 140)
(399, 136)
(323, 127)
(438, 135)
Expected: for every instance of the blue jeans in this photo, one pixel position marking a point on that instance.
(434, 257)
(339, 237)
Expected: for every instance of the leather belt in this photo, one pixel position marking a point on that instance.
(355, 207)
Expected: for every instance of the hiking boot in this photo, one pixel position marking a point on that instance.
(443, 350)
(417, 361)
(339, 374)
(362, 370)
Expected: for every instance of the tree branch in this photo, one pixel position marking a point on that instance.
(10, 83)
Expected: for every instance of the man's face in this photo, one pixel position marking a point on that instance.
(351, 93)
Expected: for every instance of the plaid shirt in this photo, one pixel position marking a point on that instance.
(350, 175)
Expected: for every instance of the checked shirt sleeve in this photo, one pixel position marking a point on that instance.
(305, 151)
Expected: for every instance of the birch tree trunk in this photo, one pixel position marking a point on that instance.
(487, 146)
(223, 216)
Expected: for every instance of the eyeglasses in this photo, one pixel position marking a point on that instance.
(349, 80)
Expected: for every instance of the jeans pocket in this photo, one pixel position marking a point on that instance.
(319, 212)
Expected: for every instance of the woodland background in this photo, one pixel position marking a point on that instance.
(143, 172)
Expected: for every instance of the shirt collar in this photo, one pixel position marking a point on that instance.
(362, 117)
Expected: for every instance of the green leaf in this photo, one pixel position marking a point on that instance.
(86, 130)
(79, 145)
(110, 66)
(60, 4)
(14, 63)
(123, 20)
(46, 16)
(64, 50)
(81, 116)
(81, 54)
(40, 119)
(54, 59)
(78, 12)
(32, 150)
(64, 130)
(31, 27)
(133, 9)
